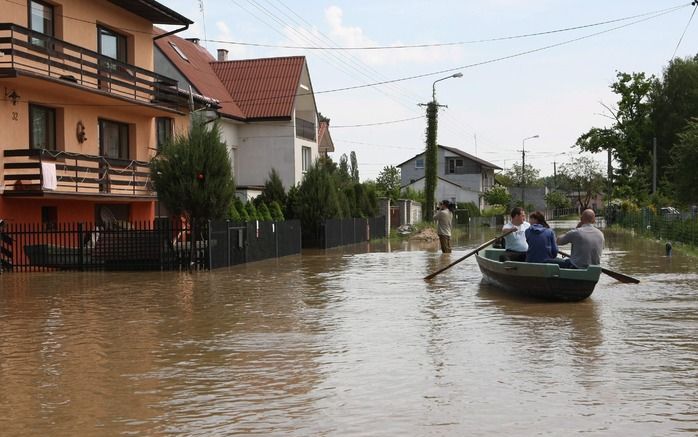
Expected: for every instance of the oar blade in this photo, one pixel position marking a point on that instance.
(620, 277)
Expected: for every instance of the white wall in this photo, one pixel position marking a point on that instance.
(263, 146)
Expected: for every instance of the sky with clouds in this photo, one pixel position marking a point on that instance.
(552, 85)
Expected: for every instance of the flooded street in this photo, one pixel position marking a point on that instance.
(351, 341)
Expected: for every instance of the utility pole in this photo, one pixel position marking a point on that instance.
(523, 169)
(554, 175)
(431, 154)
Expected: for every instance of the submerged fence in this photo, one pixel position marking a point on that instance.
(681, 227)
(159, 245)
(340, 232)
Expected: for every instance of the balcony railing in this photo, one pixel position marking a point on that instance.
(305, 129)
(22, 49)
(39, 171)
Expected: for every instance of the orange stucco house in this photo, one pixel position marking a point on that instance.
(82, 111)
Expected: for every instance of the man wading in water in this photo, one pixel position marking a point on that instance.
(444, 218)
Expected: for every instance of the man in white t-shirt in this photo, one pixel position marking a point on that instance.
(515, 242)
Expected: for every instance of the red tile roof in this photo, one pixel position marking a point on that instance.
(263, 88)
(198, 71)
(324, 139)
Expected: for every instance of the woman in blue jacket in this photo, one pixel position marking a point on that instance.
(541, 240)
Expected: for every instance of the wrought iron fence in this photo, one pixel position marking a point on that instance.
(159, 245)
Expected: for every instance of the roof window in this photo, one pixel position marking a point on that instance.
(179, 51)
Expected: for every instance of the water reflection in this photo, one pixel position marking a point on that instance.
(350, 341)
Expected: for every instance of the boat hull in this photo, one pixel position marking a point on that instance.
(537, 280)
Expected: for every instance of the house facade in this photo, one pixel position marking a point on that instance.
(266, 109)
(84, 109)
(461, 177)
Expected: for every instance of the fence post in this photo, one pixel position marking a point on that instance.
(80, 247)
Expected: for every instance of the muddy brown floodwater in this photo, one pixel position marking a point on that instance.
(350, 341)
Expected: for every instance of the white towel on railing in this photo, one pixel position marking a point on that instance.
(49, 181)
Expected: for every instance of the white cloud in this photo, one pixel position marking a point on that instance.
(224, 34)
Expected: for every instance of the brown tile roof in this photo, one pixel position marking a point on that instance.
(263, 88)
(324, 139)
(198, 71)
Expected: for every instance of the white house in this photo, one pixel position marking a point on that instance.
(461, 177)
(266, 109)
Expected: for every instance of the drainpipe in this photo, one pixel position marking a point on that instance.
(172, 32)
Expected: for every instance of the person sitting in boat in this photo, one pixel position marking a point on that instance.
(587, 243)
(541, 240)
(515, 242)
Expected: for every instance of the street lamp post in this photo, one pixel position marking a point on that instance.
(431, 152)
(523, 169)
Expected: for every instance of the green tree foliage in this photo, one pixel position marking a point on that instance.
(430, 156)
(343, 170)
(388, 182)
(513, 176)
(292, 209)
(317, 199)
(412, 194)
(251, 211)
(674, 101)
(273, 190)
(556, 200)
(233, 213)
(682, 170)
(629, 136)
(497, 195)
(276, 213)
(354, 169)
(585, 177)
(240, 207)
(264, 213)
(192, 174)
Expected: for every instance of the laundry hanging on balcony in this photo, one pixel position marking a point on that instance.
(49, 181)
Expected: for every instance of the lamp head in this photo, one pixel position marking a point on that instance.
(459, 74)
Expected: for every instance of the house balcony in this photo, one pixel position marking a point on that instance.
(47, 173)
(305, 129)
(24, 52)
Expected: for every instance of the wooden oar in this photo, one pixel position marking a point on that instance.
(470, 254)
(615, 275)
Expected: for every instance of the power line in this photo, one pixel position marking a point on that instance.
(378, 123)
(685, 29)
(446, 44)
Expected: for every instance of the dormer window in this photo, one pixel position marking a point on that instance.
(179, 51)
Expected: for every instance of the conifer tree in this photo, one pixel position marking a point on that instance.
(263, 212)
(276, 213)
(251, 211)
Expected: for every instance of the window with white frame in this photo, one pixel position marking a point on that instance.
(306, 156)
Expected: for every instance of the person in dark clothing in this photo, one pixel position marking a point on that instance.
(542, 246)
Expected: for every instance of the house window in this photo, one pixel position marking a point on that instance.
(113, 139)
(305, 151)
(41, 20)
(419, 163)
(455, 166)
(111, 44)
(42, 127)
(165, 129)
(49, 217)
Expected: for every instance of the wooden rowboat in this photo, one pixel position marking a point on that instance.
(543, 281)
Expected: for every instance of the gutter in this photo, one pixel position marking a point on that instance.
(172, 32)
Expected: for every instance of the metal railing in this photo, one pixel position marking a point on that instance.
(158, 245)
(28, 171)
(43, 55)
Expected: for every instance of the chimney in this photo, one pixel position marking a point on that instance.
(194, 40)
(222, 55)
